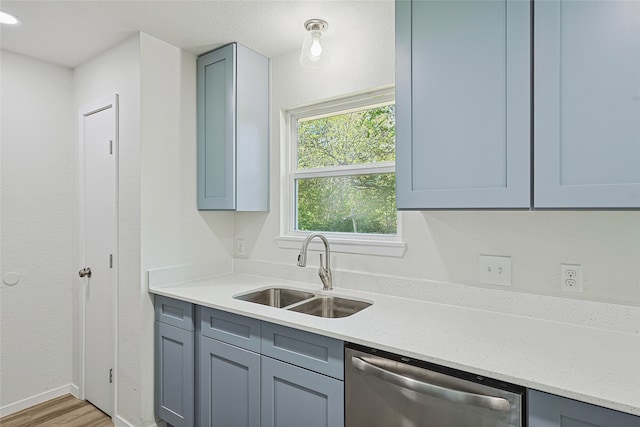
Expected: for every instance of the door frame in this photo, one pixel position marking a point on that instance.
(109, 102)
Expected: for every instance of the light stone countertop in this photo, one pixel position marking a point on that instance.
(593, 365)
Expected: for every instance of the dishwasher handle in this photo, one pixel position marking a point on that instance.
(479, 400)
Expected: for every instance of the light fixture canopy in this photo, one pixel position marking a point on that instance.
(314, 52)
(7, 18)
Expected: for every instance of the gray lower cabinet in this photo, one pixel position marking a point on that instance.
(229, 385)
(259, 374)
(174, 362)
(548, 410)
(293, 396)
(253, 373)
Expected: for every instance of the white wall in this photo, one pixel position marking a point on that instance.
(159, 224)
(118, 71)
(445, 245)
(37, 228)
(173, 231)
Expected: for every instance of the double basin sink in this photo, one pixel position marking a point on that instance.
(305, 302)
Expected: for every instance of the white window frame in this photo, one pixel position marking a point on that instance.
(356, 243)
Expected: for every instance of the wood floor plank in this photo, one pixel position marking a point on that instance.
(78, 417)
(64, 411)
(38, 411)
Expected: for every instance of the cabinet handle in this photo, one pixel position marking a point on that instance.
(85, 272)
(442, 392)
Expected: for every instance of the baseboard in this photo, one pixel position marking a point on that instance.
(118, 421)
(18, 406)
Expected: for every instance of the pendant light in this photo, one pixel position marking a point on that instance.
(314, 52)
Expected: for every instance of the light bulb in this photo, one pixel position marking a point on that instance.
(315, 52)
(316, 47)
(6, 18)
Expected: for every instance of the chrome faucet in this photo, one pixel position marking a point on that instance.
(324, 271)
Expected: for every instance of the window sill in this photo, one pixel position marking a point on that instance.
(393, 249)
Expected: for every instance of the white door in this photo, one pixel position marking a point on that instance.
(98, 141)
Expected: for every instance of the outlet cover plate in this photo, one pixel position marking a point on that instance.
(494, 270)
(571, 277)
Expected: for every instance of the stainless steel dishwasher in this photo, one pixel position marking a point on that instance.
(387, 390)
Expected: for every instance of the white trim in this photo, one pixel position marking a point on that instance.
(353, 102)
(388, 248)
(350, 170)
(28, 402)
(84, 111)
(118, 421)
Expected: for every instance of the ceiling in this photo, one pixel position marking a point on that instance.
(70, 32)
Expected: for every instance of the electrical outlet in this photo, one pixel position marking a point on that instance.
(571, 277)
(240, 247)
(494, 270)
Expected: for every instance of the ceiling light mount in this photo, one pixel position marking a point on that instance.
(316, 25)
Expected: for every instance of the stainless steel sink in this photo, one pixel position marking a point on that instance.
(331, 307)
(276, 297)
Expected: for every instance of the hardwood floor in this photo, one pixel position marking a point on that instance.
(64, 411)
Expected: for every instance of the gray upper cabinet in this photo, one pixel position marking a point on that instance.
(463, 98)
(463, 104)
(233, 130)
(587, 104)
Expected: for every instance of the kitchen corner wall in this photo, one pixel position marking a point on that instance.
(118, 71)
(173, 231)
(37, 229)
(159, 224)
(444, 246)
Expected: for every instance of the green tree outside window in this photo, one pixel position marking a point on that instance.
(357, 201)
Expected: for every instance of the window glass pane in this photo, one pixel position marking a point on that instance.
(365, 136)
(347, 204)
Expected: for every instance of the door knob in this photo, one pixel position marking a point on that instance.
(85, 272)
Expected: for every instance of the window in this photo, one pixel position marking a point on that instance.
(340, 177)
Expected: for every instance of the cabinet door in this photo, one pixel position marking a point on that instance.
(547, 410)
(293, 397)
(216, 129)
(463, 104)
(229, 384)
(174, 375)
(587, 104)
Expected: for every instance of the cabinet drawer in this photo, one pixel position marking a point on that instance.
(174, 312)
(231, 328)
(305, 349)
